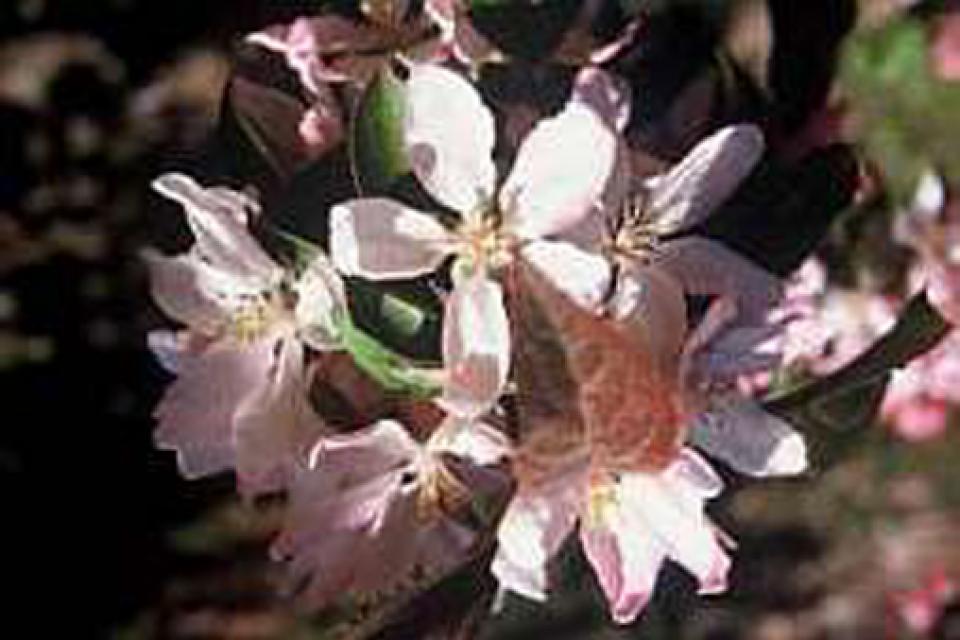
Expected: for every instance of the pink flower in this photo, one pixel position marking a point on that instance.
(920, 396)
(239, 400)
(553, 186)
(945, 49)
(629, 524)
(931, 227)
(376, 512)
(613, 460)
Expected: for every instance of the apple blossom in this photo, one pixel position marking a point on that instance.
(375, 511)
(450, 137)
(239, 400)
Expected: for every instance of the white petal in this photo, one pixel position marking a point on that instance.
(382, 239)
(583, 277)
(472, 440)
(705, 178)
(449, 134)
(560, 172)
(476, 347)
(750, 440)
(530, 534)
(670, 507)
(176, 287)
(707, 267)
(218, 219)
(608, 95)
(320, 301)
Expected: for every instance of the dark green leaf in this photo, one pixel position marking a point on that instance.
(378, 157)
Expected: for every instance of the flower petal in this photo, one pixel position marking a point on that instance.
(608, 95)
(583, 277)
(450, 135)
(275, 426)
(382, 239)
(196, 414)
(750, 440)
(218, 219)
(705, 178)
(175, 286)
(321, 299)
(530, 534)
(669, 506)
(626, 561)
(560, 172)
(476, 347)
(707, 267)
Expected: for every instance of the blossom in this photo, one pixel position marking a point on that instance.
(552, 187)
(629, 524)
(239, 400)
(376, 511)
(931, 227)
(330, 48)
(614, 460)
(920, 396)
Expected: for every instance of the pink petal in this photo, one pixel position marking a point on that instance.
(607, 95)
(707, 267)
(560, 172)
(626, 562)
(196, 414)
(382, 239)
(275, 426)
(218, 219)
(450, 135)
(175, 288)
(705, 178)
(476, 347)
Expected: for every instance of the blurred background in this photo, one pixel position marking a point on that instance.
(104, 540)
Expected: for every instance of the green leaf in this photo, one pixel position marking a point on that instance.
(391, 370)
(378, 157)
(406, 316)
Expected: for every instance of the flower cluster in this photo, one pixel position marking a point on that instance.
(591, 345)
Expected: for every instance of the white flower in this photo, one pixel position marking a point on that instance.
(557, 179)
(239, 400)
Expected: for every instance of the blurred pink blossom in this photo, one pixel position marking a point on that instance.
(945, 48)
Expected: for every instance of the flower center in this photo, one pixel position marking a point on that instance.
(601, 502)
(485, 243)
(631, 233)
(440, 493)
(257, 315)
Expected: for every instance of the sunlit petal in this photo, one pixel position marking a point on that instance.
(382, 239)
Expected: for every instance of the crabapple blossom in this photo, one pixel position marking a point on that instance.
(553, 186)
(376, 511)
(239, 400)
